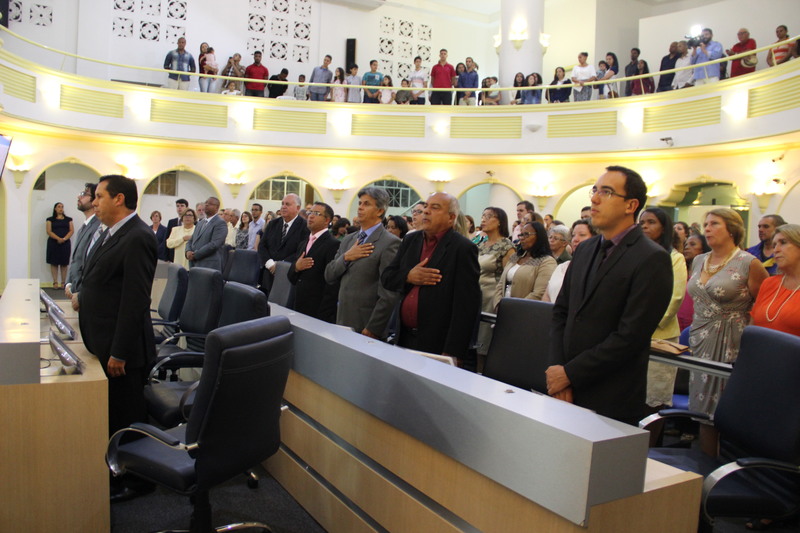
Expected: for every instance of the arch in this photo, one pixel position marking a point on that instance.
(63, 189)
(352, 207)
(565, 196)
(484, 201)
(317, 194)
(181, 168)
(199, 188)
(787, 195)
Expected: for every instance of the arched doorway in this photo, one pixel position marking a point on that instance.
(61, 182)
(489, 193)
(271, 191)
(402, 196)
(161, 192)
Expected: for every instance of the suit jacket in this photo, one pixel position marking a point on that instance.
(171, 224)
(79, 253)
(313, 295)
(601, 333)
(161, 238)
(115, 296)
(208, 243)
(363, 300)
(448, 311)
(273, 246)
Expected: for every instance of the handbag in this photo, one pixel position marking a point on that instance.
(668, 347)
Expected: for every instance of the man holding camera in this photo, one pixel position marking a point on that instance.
(704, 50)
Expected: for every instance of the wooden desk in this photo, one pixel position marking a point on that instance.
(53, 475)
(376, 437)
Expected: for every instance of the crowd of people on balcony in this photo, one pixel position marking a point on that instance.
(415, 87)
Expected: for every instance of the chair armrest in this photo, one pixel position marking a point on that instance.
(147, 430)
(741, 464)
(175, 361)
(172, 339)
(671, 413)
(162, 322)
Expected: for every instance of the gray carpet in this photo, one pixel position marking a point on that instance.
(230, 502)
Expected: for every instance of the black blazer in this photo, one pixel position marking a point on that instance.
(449, 310)
(115, 296)
(161, 239)
(313, 296)
(601, 333)
(272, 247)
(173, 222)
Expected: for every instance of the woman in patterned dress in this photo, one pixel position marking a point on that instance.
(493, 253)
(724, 284)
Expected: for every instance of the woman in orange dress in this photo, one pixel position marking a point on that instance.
(777, 306)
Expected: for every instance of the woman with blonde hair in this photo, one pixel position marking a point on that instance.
(180, 235)
(724, 284)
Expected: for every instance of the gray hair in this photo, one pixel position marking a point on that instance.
(455, 207)
(791, 232)
(378, 194)
(296, 198)
(236, 213)
(561, 230)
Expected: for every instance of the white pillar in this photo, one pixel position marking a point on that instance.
(517, 18)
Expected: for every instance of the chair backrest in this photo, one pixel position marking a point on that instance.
(241, 303)
(171, 304)
(759, 410)
(243, 266)
(282, 291)
(202, 306)
(520, 347)
(235, 417)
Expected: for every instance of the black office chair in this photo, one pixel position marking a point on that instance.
(520, 347)
(171, 303)
(200, 313)
(758, 417)
(282, 290)
(234, 425)
(243, 266)
(170, 402)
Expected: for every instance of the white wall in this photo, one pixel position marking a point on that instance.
(191, 187)
(571, 25)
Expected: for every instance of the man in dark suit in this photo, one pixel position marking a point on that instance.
(281, 238)
(437, 271)
(114, 301)
(615, 292)
(181, 205)
(206, 247)
(313, 296)
(83, 239)
(364, 304)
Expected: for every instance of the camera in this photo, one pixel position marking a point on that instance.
(693, 41)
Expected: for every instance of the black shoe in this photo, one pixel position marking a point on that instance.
(124, 494)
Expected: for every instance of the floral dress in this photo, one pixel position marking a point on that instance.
(490, 259)
(721, 312)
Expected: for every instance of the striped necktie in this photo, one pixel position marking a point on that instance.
(362, 237)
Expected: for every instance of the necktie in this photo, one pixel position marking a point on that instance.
(601, 255)
(310, 243)
(97, 234)
(285, 229)
(362, 236)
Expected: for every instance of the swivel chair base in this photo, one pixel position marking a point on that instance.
(229, 527)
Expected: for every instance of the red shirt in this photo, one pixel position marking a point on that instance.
(736, 65)
(442, 75)
(409, 309)
(257, 72)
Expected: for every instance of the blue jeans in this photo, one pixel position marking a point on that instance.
(317, 97)
(204, 84)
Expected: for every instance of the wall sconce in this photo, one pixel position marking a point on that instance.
(337, 192)
(498, 41)
(439, 178)
(234, 183)
(519, 33)
(336, 183)
(544, 40)
(542, 188)
(18, 168)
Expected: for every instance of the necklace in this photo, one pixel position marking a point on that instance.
(774, 296)
(713, 269)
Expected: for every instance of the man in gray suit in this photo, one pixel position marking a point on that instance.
(364, 304)
(90, 224)
(206, 248)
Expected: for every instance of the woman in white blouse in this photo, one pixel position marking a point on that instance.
(179, 235)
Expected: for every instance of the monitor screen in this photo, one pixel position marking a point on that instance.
(5, 145)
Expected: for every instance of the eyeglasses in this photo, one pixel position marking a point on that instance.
(315, 213)
(556, 238)
(526, 235)
(416, 212)
(605, 194)
(84, 193)
(487, 216)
